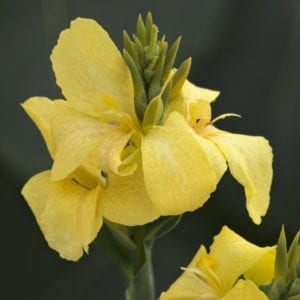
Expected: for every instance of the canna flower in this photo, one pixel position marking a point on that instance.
(233, 269)
(121, 156)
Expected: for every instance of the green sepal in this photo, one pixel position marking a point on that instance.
(130, 48)
(166, 91)
(293, 253)
(153, 112)
(281, 261)
(156, 82)
(140, 96)
(139, 89)
(277, 289)
(148, 27)
(152, 51)
(140, 30)
(150, 70)
(286, 284)
(294, 290)
(170, 59)
(179, 77)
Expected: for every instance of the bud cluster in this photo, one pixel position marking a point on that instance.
(151, 61)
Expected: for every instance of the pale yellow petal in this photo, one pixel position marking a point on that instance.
(250, 162)
(233, 256)
(263, 272)
(35, 193)
(113, 148)
(90, 70)
(39, 110)
(179, 166)
(67, 213)
(125, 200)
(193, 93)
(245, 290)
(75, 136)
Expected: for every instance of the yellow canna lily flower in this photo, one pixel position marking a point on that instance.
(143, 167)
(217, 274)
(97, 83)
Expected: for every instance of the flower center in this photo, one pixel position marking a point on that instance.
(206, 266)
(205, 271)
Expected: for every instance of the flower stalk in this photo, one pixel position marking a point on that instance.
(141, 285)
(131, 249)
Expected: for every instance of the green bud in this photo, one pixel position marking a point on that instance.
(180, 76)
(281, 262)
(140, 30)
(153, 112)
(286, 284)
(170, 59)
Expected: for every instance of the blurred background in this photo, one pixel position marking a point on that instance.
(249, 50)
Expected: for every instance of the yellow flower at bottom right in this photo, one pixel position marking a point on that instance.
(233, 269)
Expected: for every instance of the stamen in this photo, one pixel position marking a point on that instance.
(223, 116)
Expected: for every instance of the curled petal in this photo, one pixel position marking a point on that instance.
(90, 70)
(250, 162)
(178, 169)
(125, 200)
(67, 213)
(39, 110)
(116, 155)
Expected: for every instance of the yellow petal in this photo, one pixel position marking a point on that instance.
(39, 110)
(250, 162)
(189, 286)
(112, 150)
(193, 93)
(90, 70)
(233, 256)
(125, 200)
(179, 168)
(75, 135)
(263, 272)
(67, 213)
(245, 290)
(35, 193)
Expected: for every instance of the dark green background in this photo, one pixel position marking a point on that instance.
(247, 49)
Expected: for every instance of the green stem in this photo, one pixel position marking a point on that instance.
(141, 285)
(131, 249)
